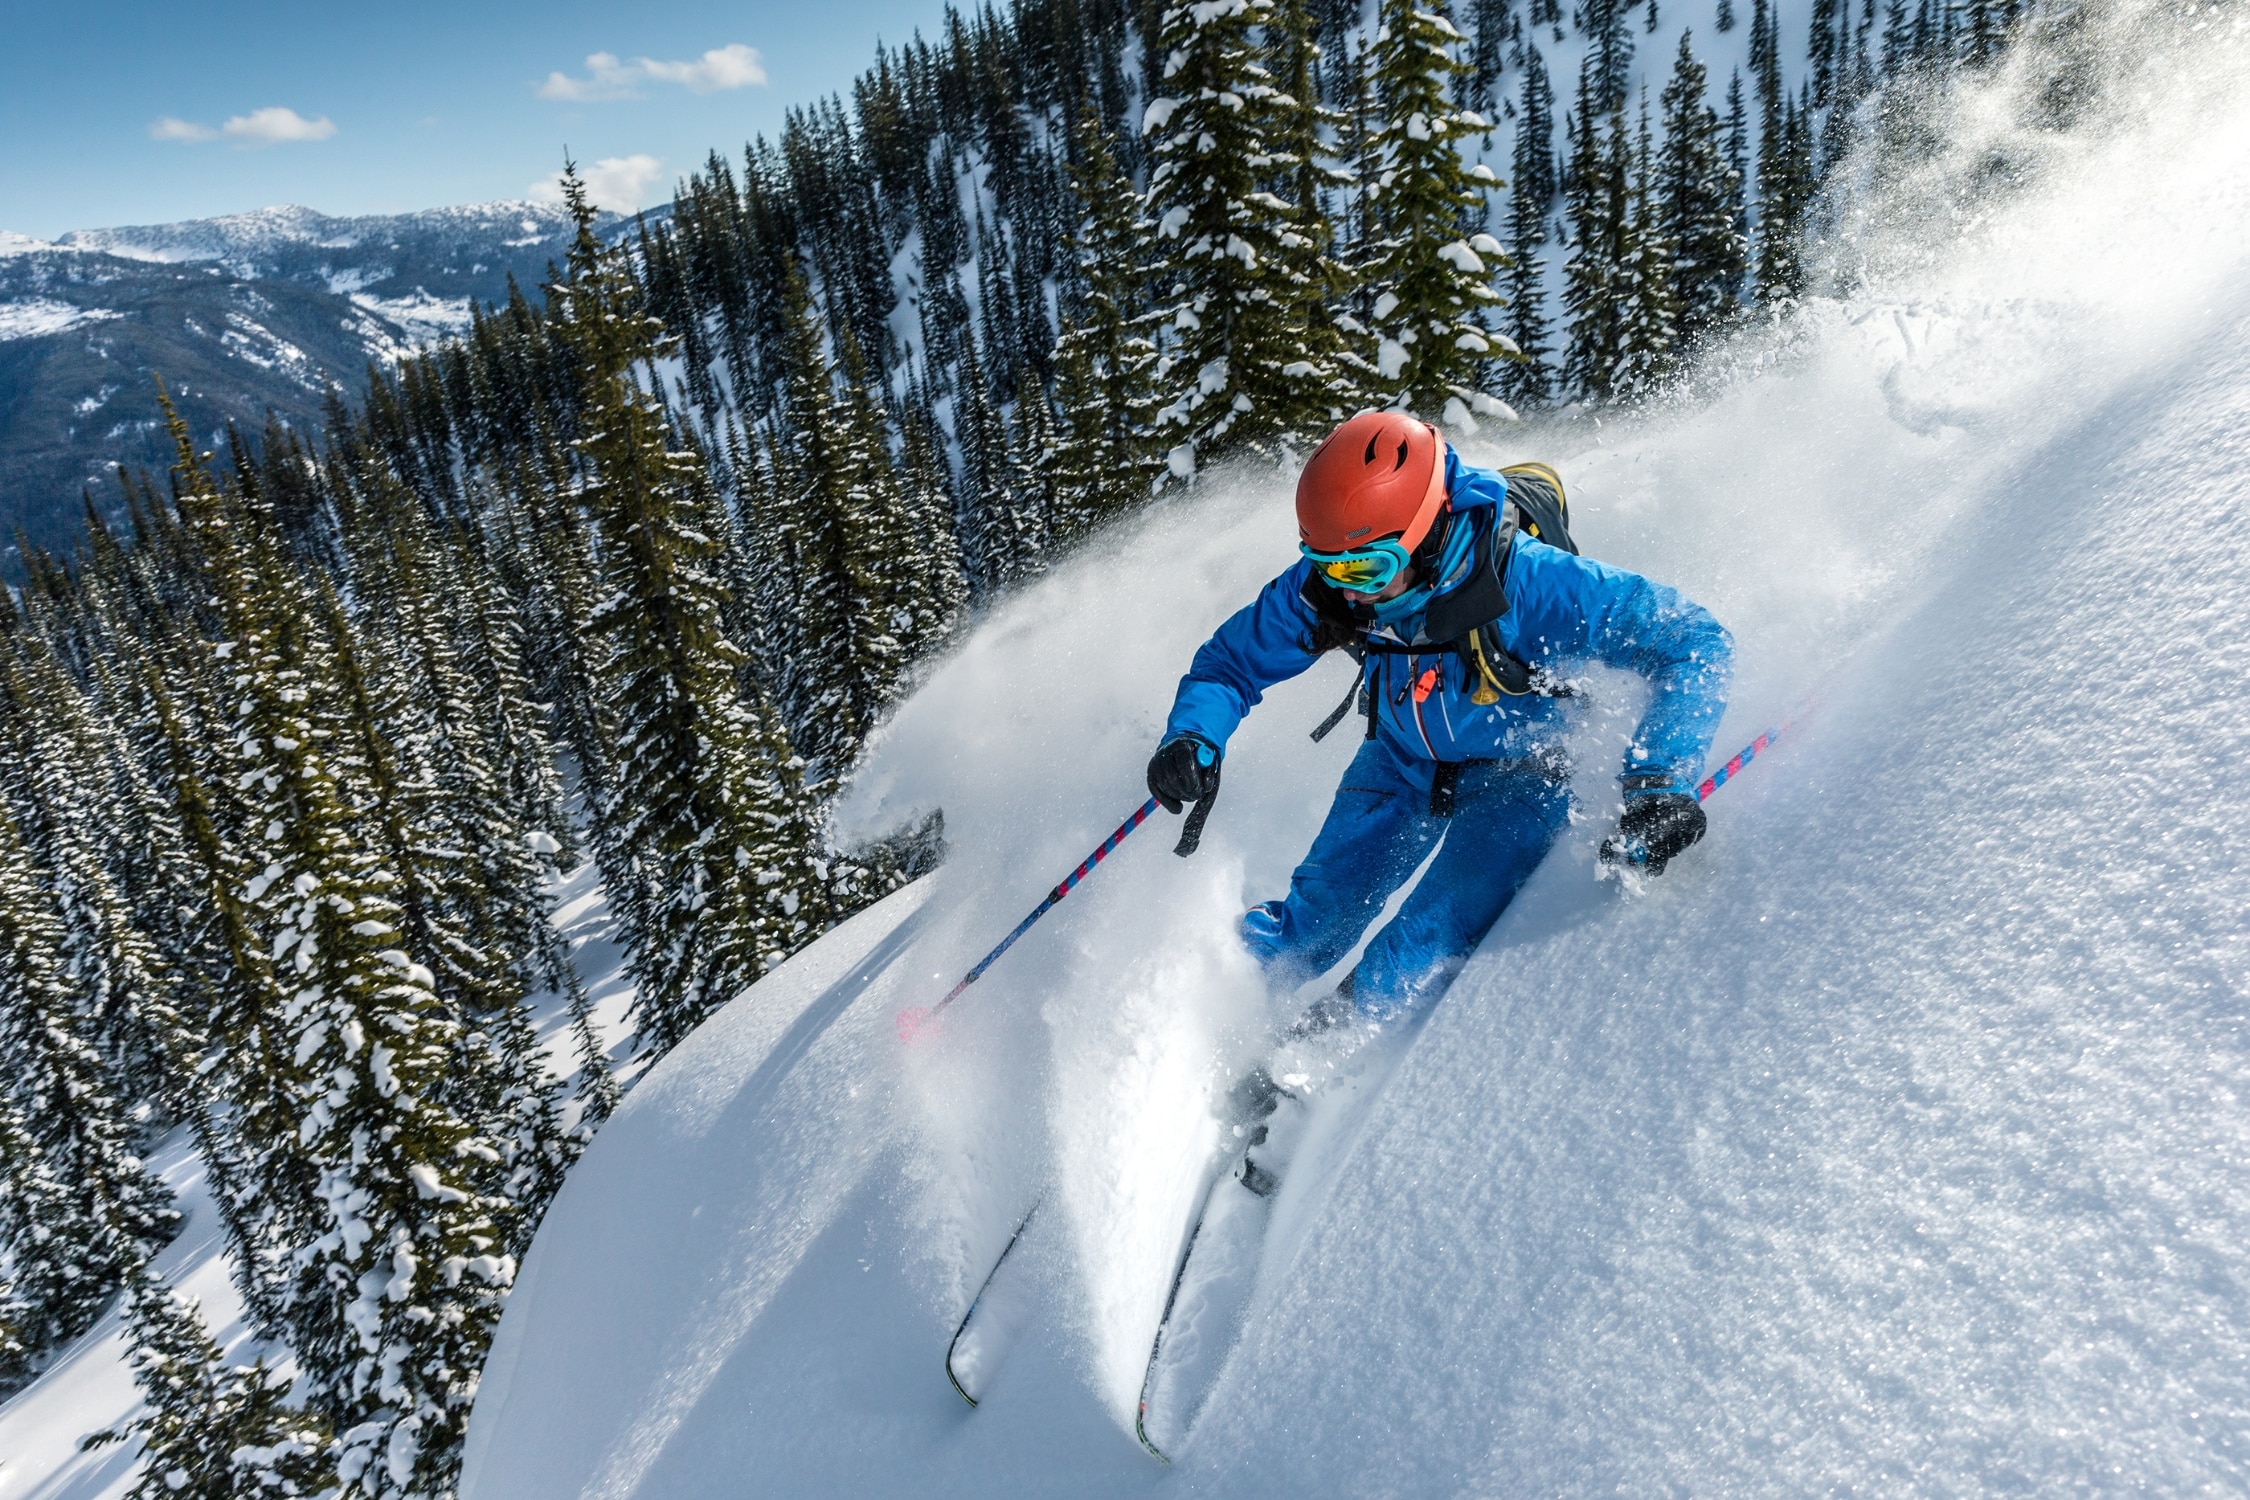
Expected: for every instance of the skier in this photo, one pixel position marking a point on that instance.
(1466, 623)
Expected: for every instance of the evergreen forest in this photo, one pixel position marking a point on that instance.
(630, 572)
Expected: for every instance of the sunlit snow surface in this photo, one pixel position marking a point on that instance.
(1893, 1143)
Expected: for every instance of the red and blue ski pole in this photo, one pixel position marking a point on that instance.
(912, 1019)
(1751, 751)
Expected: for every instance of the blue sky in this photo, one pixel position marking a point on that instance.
(135, 112)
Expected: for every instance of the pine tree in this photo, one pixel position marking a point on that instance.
(212, 1431)
(1104, 460)
(1233, 374)
(1738, 157)
(69, 818)
(1431, 281)
(1004, 530)
(246, 1121)
(1898, 39)
(391, 1277)
(1821, 48)
(1488, 23)
(43, 1229)
(1785, 190)
(442, 820)
(705, 832)
(1596, 203)
(1609, 51)
(91, 1212)
(905, 575)
(1306, 177)
(156, 874)
(928, 486)
(1530, 380)
(1647, 306)
(806, 539)
(1696, 209)
(495, 653)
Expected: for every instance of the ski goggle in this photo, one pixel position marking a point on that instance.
(1362, 570)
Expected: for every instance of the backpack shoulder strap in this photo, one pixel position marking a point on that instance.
(1468, 618)
(1483, 595)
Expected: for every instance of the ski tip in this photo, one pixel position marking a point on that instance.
(1140, 1430)
(959, 1389)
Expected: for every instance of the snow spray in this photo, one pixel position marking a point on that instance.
(912, 1019)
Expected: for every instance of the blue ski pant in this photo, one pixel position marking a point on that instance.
(1506, 816)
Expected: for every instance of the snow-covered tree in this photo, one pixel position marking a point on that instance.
(1234, 373)
(1104, 459)
(1004, 528)
(440, 816)
(1785, 193)
(82, 1209)
(1431, 267)
(66, 804)
(1699, 199)
(1647, 306)
(44, 1228)
(705, 833)
(855, 564)
(391, 1275)
(1595, 201)
(211, 1430)
(1532, 191)
(1307, 175)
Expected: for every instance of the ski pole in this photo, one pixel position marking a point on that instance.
(1749, 752)
(912, 1019)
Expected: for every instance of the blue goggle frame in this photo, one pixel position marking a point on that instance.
(1362, 570)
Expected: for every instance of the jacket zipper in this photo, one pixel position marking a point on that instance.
(1411, 690)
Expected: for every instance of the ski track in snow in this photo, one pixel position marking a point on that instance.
(1892, 1143)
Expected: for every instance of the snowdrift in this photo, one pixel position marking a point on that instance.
(1895, 1142)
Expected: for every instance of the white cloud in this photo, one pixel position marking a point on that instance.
(619, 183)
(733, 66)
(273, 123)
(260, 127)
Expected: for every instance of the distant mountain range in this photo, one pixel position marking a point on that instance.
(241, 316)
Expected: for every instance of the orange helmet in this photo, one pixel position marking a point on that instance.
(1381, 474)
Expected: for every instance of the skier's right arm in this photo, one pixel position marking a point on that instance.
(1267, 641)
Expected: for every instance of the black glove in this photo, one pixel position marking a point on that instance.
(1183, 770)
(1656, 827)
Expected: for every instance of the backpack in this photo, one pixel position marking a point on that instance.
(1468, 616)
(1465, 620)
(1536, 491)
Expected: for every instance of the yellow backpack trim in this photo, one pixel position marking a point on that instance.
(1546, 472)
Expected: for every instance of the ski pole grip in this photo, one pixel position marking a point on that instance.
(1191, 835)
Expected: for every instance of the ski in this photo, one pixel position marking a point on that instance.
(974, 1353)
(1217, 1270)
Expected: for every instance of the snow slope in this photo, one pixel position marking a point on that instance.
(1894, 1143)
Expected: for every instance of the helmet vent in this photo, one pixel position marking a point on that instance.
(1371, 441)
(1401, 456)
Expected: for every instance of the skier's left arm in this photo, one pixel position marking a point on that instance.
(1574, 606)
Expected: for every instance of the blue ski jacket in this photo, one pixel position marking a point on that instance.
(1562, 609)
